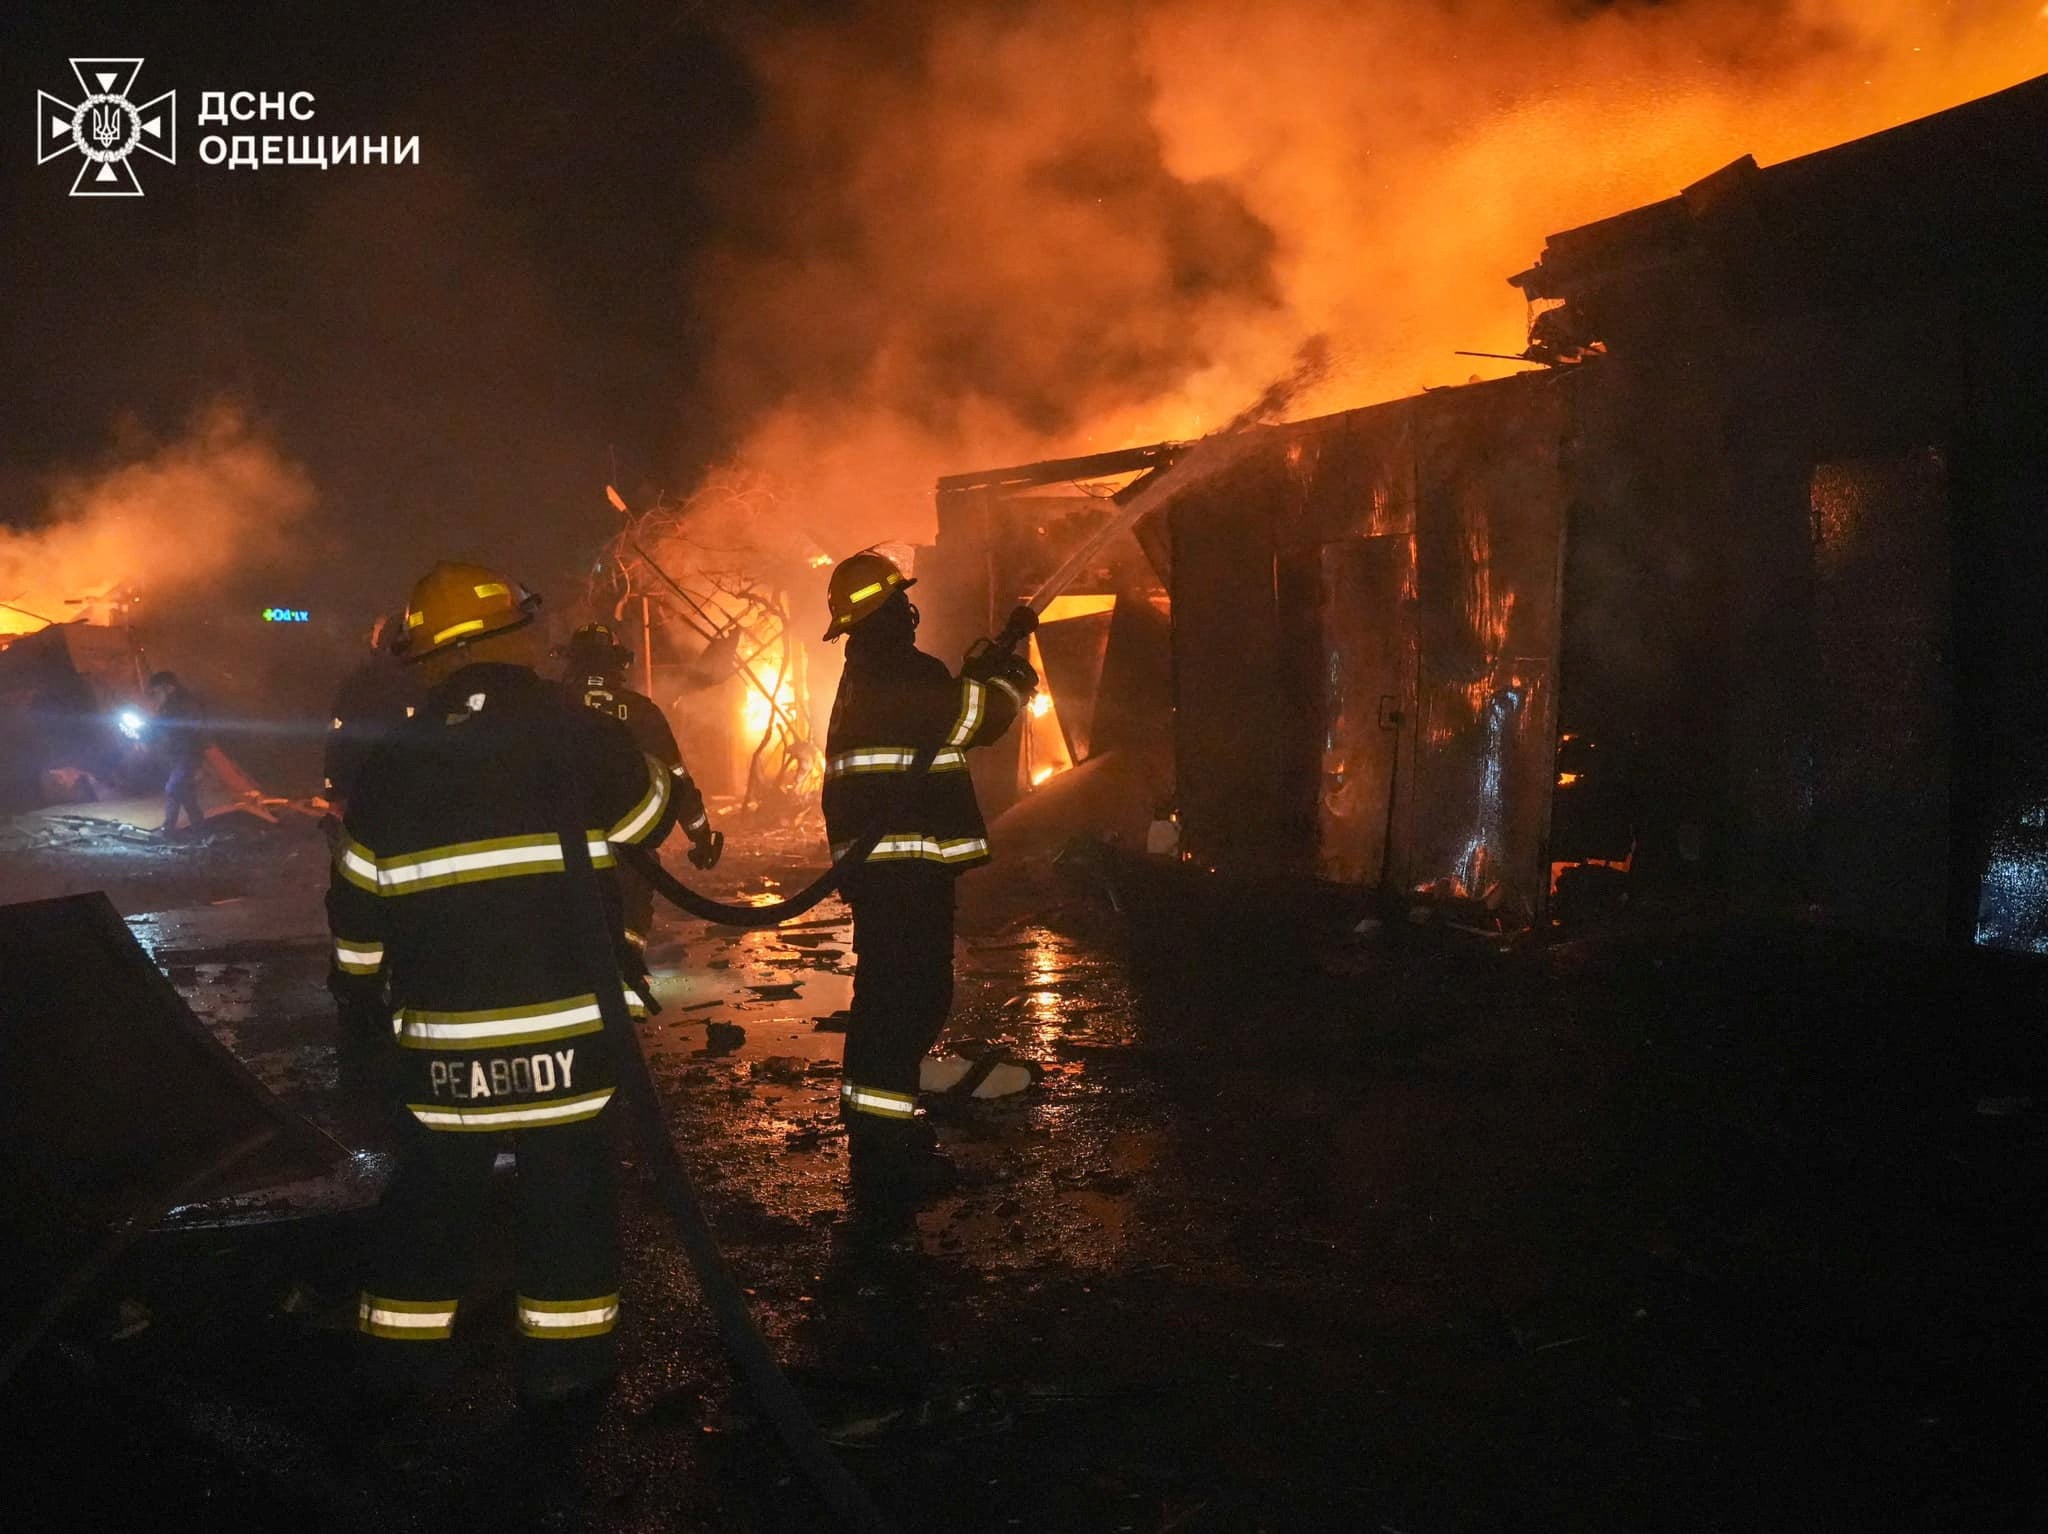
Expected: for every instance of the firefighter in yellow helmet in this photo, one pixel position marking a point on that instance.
(893, 700)
(450, 881)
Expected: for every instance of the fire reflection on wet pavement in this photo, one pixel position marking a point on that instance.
(1322, 1246)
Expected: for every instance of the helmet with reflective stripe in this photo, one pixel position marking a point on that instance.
(457, 604)
(861, 583)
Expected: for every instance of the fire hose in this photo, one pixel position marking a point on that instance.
(647, 866)
(1207, 458)
(590, 932)
(593, 939)
(1203, 461)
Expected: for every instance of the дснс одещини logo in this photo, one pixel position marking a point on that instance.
(106, 127)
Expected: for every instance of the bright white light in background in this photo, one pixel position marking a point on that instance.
(1041, 704)
(131, 723)
(1041, 775)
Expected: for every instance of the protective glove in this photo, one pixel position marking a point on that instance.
(1014, 671)
(707, 847)
(992, 665)
(986, 657)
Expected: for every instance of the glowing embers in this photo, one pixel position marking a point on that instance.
(1592, 840)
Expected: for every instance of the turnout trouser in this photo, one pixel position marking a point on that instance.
(902, 987)
(567, 1237)
(181, 792)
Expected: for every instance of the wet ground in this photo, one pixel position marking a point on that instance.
(1413, 1232)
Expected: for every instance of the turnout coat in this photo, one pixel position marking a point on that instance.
(649, 727)
(450, 882)
(890, 704)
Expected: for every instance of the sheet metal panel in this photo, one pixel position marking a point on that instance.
(1489, 526)
(112, 1093)
(1228, 688)
(1881, 731)
(1367, 702)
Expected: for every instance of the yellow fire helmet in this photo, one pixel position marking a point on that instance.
(456, 604)
(860, 584)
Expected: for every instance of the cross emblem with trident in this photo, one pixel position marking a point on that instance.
(107, 127)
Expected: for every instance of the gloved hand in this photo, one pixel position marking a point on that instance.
(707, 847)
(986, 658)
(1016, 672)
(991, 665)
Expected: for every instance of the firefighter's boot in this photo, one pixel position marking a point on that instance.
(895, 1162)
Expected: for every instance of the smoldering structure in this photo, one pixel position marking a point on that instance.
(1733, 600)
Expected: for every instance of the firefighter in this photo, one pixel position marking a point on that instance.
(893, 700)
(451, 881)
(376, 697)
(371, 702)
(595, 666)
(180, 736)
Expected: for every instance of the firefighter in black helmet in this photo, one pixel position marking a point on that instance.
(594, 670)
(893, 700)
(373, 699)
(377, 696)
(450, 880)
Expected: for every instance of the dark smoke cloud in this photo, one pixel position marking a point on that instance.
(854, 246)
(981, 232)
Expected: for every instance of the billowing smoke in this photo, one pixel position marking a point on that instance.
(982, 232)
(161, 521)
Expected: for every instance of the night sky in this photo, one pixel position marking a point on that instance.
(453, 350)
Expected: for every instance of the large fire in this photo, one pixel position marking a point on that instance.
(943, 257)
(166, 520)
(721, 577)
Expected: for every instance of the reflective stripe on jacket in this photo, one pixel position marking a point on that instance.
(649, 727)
(448, 880)
(889, 706)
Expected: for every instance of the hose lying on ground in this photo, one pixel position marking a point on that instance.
(589, 930)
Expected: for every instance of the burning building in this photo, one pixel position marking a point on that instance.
(714, 595)
(1734, 598)
(1102, 648)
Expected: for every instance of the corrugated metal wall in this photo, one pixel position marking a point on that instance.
(1369, 605)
